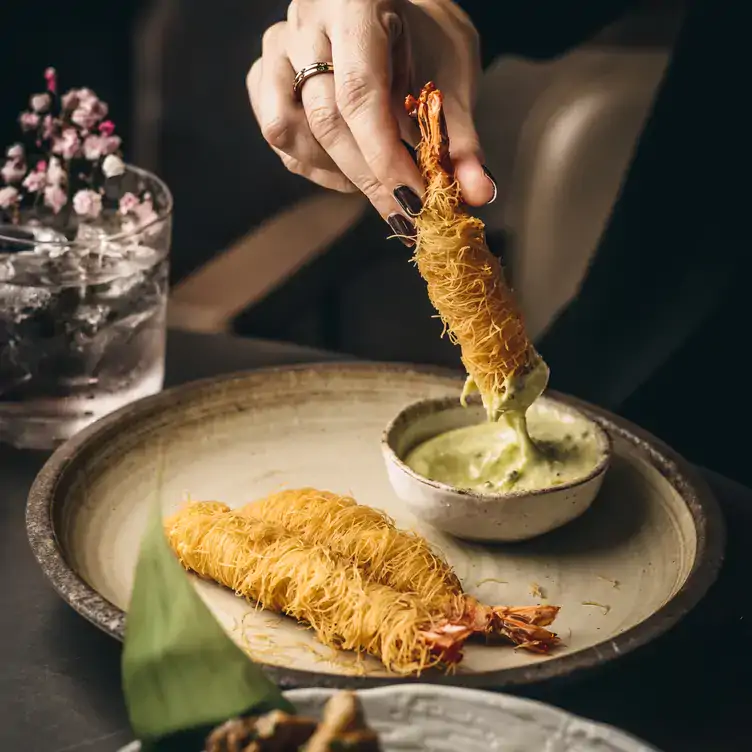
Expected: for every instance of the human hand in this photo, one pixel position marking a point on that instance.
(346, 131)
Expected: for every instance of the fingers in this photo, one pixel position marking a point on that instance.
(362, 46)
(281, 119)
(327, 125)
(456, 75)
(346, 129)
(478, 187)
(331, 132)
(273, 102)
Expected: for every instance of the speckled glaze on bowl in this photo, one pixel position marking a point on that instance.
(422, 718)
(655, 529)
(474, 515)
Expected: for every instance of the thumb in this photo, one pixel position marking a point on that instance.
(477, 185)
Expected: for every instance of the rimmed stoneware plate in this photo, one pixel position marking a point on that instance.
(623, 573)
(421, 718)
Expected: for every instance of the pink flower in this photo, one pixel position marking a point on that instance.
(112, 166)
(89, 110)
(93, 147)
(85, 117)
(99, 146)
(50, 75)
(8, 197)
(87, 95)
(13, 171)
(69, 100)
(144, 211)
(40, 102)
(111, 144)
(48, 127)
(67, 145)
(55, 174)
(35, 181)
(55, 197)
(128, 202)
(41, 166)
(15, 152)
(107, 128)
(139, 213)
(87, 203)
(28, 121)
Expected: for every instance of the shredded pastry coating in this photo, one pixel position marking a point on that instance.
(307, 565)
(465, 280)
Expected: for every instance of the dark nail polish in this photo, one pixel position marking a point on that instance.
(408, 199)
(411, 149)
(493, 183)
(403, 228)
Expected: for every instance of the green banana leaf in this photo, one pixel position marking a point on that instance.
(181, 671)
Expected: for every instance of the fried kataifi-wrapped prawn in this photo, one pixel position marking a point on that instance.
(465, 280)
(402, 560)
(346, 608)
(264, 563)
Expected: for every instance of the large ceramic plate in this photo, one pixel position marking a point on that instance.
(450, 719)
(623, 573)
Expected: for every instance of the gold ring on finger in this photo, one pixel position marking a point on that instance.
(309, 72)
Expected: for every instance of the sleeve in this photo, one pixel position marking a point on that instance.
(538, 29)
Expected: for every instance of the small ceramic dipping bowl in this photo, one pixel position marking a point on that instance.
(475, 515)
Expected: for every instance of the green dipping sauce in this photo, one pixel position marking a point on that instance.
(555, 448)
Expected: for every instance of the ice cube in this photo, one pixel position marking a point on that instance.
(121, 286)
(7, 272)
(21, 302)
(92, 315)
(95, 242)
(32, 238)
(49, 242)
(93, 234)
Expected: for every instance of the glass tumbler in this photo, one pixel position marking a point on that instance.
(82, 313)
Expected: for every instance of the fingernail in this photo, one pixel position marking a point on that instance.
(403, 228)
(493, 183)
(410, 148)
(408, 199)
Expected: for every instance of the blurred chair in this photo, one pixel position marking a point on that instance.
(243, 275)
(558, 136)
(569, 155)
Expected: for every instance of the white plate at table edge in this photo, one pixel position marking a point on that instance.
(706, 515)
(506, 713)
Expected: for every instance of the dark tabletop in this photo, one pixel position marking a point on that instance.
(59, 676)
